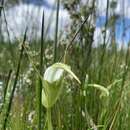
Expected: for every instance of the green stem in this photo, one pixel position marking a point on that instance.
(49, 122)
(56, 30)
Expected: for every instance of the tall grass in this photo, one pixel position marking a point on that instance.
(56, 31)
(39, 85)
(15, 83)
(100, 102)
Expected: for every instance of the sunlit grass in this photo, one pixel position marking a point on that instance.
(88, 89)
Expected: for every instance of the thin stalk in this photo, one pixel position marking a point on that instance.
(125, 71)
(15, 83)
(39, 92)
(49, 122)
(89, 119)
(125, 74)
(56, 30)
(1, 7)
(11, 49)
(39, 102)
(6, 87)
(76, 34)
(104, 42)
(115, 116)
(7, 83)
(42, 45)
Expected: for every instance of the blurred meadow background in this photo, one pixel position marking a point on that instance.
(92, 37)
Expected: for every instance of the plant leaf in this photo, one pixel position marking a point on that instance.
(102, 88)
(67, 69)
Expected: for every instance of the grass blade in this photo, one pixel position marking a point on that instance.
(56, 30)
(15, 82)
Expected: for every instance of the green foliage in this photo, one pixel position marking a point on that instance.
(98, 100)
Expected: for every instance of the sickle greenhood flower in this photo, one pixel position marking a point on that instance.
(52, 83)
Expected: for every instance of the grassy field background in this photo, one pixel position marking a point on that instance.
(100, 68)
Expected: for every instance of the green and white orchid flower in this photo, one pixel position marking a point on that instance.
(52, 86)
(52, 83)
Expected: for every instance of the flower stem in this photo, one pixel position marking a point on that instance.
(49, 119)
